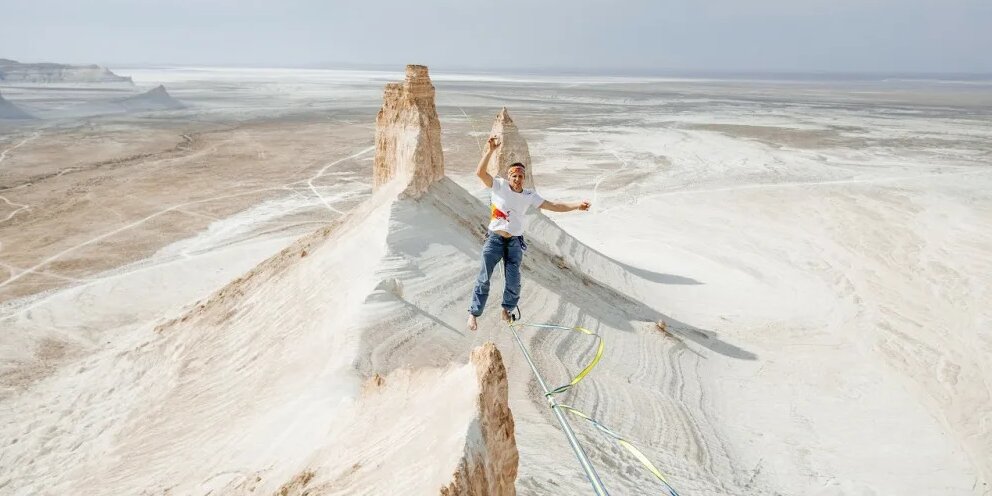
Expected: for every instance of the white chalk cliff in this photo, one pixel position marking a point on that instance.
(12, 71)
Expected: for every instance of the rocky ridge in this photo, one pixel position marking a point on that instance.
(12, 71)
(343, 356)
(261, 362)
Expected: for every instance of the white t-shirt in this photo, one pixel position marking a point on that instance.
(507, 207)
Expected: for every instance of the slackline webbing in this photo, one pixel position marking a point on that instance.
(575, 380)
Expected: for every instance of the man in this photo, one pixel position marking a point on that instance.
(505, 241)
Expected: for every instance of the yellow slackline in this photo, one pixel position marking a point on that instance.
(606, 430)
(626, 444)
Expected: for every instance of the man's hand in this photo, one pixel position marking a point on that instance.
(583, 206)
(492, 144)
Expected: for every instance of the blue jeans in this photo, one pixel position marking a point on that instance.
(496, 248)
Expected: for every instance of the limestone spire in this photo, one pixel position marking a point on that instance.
(408, 133)
(514, 148)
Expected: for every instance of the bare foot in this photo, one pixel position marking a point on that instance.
(472, 324)
(506, 315)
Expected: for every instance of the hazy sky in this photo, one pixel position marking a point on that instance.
(595, 35)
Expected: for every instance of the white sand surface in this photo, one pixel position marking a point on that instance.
(858, 278)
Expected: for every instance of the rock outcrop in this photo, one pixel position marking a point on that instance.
(10, 111)
(155, 99)
(513, 149)
(490, 464)
(408, 134)
(12, 71)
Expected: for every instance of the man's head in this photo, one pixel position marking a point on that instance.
(516, 173)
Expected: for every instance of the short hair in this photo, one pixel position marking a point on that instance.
(517, 164)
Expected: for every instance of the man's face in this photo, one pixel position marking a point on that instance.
(516, 176)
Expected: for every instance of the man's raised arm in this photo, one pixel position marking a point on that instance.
(481, 171)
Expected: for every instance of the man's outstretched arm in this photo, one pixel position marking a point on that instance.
(480, 170)
(564, 206)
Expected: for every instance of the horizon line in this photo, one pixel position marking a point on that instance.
(826, 74)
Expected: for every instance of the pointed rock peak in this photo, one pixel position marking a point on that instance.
(488, 363)
(156, 98)
(158, 92)
(513, 149)
(504, 116)
(408, 134)
(491, 463)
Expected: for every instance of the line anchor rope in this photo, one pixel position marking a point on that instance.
(558, 408)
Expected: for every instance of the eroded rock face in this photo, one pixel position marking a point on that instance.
(513, 149)
(491, 459)
(155, 99)
(408, 134)
(13, 71)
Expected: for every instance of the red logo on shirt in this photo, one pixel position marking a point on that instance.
(495, 213)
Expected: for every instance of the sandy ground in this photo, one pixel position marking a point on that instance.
(848, 251)
(823, 250)
(80, 201)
